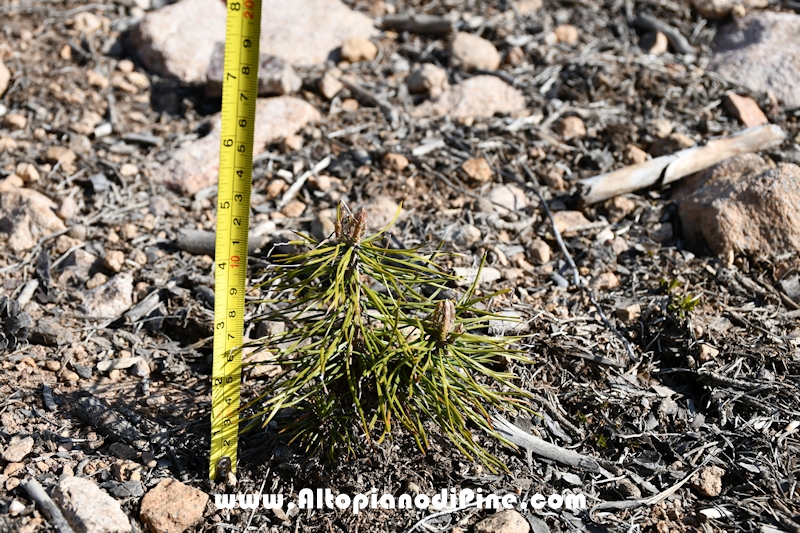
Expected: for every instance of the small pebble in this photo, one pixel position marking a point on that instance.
(478, 170)
(571, 128)
(566, 34)
(114, 260)
(742, 108)
(350, 104)
(629, 313)
(466, 236)
(28, 172)
(128, 169)
(16, 507)
(358, 49)
(95, 281)
(396, 162)
(539, 252)
(330, 86)
(68, 208)
(633, 155)
(293, 209)
(292, 143)
(126, 66)
(15, 121)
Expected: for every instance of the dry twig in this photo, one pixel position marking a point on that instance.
(672, 167)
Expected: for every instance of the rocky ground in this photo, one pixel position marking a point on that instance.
(664, 333)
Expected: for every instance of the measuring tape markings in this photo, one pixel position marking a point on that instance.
(239, 97)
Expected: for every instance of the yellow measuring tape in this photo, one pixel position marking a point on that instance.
(239, 93)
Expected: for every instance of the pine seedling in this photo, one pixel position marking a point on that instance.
(370, 341)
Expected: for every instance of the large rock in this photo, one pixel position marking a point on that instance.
(88, 509)
(743, 205)
(172, 507)
(762, 52)
(275, 76)
(195, 165)
(428, 78)
(27, 216)
(478, 97)
(178, 40)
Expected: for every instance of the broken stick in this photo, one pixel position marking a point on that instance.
(543, 448)
(47, 505)
(417, 24)
(201, 242)
(678, 165)
(110, 423)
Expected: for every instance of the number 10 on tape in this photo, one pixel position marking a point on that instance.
(239, 93)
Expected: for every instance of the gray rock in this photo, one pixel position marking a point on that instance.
(537, 524)
(16, 507)
(791, 286)
(88, 509)
(628, 489)
(85, 372)
(128, 489)
(49, 332)
(762, 52)
(713, 9)
(465, 236)
(513, 322)
(123, 451)
(572, 479)
(467, 275)
(322, 227)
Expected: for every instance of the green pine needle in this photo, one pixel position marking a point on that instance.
(364, 351)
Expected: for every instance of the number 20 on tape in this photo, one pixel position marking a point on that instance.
(239, 94)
